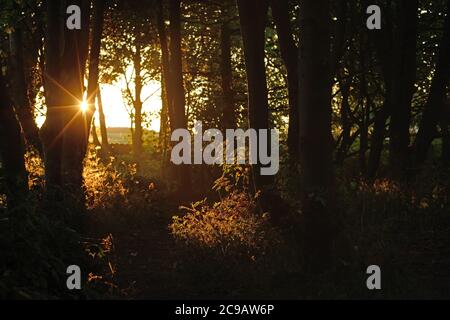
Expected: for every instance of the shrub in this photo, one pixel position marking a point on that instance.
(231, 227)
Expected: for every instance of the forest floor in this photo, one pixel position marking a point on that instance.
(142, 257)
(405, 232)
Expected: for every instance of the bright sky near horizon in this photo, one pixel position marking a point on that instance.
(116, 114)
(114, 105)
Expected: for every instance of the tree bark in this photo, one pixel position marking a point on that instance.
(137, 138)
(345, 120)
(164, 118)
(93, 86)
(253, 19)
(377, 138)
(95, 139)
(11, 150)
(52, 129)
(395, 45)
(165, 61)
(102, 121)
(179, 119)
(75, 126)
(404, 53)
(229, 112)
(280, 12)
(64, 131)
(20, 92)
(445, 131)
(315, 142)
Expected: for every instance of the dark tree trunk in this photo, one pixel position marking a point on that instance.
(345, 121)
(289, 51)
(377, 139)
(20, 92)
(93, 86)
(165, 62)
(315, 142)
(253, 18)
(73, 68)
(445, 130)
(137, 138)
(64, 131)
(404, 53)
(164, 118)
(179, 119)
(95, 139)
(365, 110)
(396, 50)
(229, 112)
(52, 129)
(102, 121)
(436, 100)
(11, 150)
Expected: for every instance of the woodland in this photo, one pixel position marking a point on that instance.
(87, 112)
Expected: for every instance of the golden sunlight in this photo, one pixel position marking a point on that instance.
(84, 106)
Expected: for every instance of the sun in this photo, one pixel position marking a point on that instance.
(84, 106)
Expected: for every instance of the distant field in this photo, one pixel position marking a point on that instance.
(119, 135)
(123, 135)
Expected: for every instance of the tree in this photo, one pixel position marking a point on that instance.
(280, 13)
(20, 90)
(435, 105)
(102, 121)
(129, 56)
(93, 86)
(401, 82)
(226, 71)
(64, 131)
(253, 19)
(11, 150)
(315, 143)
(396, 50)
(179, 119)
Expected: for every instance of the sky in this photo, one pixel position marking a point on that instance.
(116, 114)
(114, 105)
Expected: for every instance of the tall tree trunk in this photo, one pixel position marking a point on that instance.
(436, 99)
(365, 110)
(179, 119)
(404, 52)
(20, 91)
(445, 131)
(377, 138)
(93, 86)
(64, 130)
(137, 139)
(102, 121)
(52, 129)
(289, 51)
(75, 127)
(95, 139)
(315, 142)
(164, 118)
(165, 61)
(345, 120)
(396, 50)
(253, 19)
(229, 112)
(11, 150)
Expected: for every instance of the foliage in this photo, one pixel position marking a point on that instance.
(231, 226)
(114, 182)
